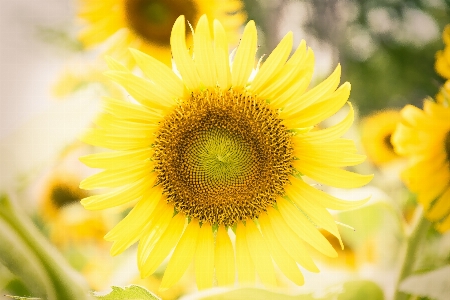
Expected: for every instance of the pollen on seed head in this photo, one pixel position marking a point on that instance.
(223, 156)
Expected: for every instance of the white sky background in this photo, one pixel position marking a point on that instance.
(34, 126)
(28, 66)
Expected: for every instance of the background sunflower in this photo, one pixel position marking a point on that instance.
(146, 24)
(376, 132)
(424, 137)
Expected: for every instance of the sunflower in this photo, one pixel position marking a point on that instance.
(146, 24)
(376, 132)
(61, 210)
(442, 64)
(424, 137)
(207, 154)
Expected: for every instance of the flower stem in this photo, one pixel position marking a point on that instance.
(414, 239)
(61, 281)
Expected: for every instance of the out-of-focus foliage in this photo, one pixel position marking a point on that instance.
(434, 284)
(393, 75)
(352, 290)
(386, 48)
(129, 292)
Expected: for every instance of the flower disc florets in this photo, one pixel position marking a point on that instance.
(152, 20)
(223, 156)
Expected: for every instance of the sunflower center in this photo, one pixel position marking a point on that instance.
(223, 156)
(152, 20)
(387, 142)
(219, 156)
(62, 195)
(447, 145)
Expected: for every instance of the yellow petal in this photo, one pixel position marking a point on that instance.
(323, 198)
(117, 177)
(159, 221)
(319, 111)
(159, 73)
(293, 79)
(288, 239)
(110, 125)
(444, 226)
(221, 56)
(180, 53)
(204, 258)
(316, 212)
(331, 133)
(120, 142)
(433, 186)
(316, 94)
(280, 81)
(131, 111)
(244, 59)
(339, 145)
(333, 176)
(133, 226)
(163, 246)
(408, 140)
(260, 254)
(284, 261)
(428, 178)
(292, 91)
(437, 111)
(441, 64)
(114, 64)
(305, 229)
(415, 117)
(204, 53)
(144, 91)
(182, 256)
(274, 63)
(113, 160)
(326, 155)
(244, 262)
(441, 208)
(224, 258)
(117, 197)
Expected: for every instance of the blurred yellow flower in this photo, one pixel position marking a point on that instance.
(59, 196)
(146, 24)
(346, 257)
(424, 137)
(60, 208)
(442, 64)
(376, 132)
(220, 150)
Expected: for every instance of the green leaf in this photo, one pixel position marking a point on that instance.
(360, 289)
(28, 254)
(434, 284)
(352, 290)
(21, 261)
(251, 293)
(132, 292)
